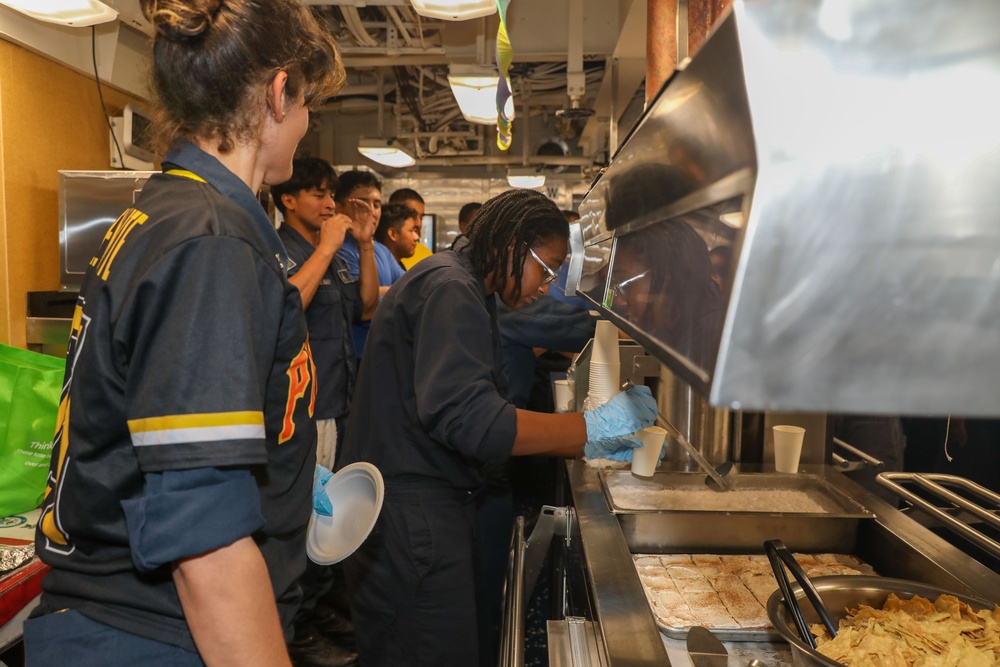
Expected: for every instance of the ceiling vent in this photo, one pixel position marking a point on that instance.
(553, 147)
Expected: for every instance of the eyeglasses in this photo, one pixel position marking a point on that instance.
(553, 276)
(619, 288)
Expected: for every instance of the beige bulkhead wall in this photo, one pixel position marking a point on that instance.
(50, 119)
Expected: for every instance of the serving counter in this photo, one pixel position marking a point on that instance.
(623, 631)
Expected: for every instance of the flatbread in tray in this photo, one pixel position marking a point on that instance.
(726, 594)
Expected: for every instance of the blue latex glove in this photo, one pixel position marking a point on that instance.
(321, 501)
(614, 449)
(624, 414)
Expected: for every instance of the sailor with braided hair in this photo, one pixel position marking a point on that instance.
(433, 364)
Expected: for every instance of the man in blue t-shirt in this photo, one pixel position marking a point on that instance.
(359, 193)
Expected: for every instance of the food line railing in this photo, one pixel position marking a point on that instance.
(936, 486)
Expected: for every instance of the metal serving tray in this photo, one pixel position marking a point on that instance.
(681, 517)
(725, 567)
(843, 593)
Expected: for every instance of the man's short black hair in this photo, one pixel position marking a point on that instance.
(468, 212)
(403, 195)
(354, 179)
(393, 217)
(307, 173)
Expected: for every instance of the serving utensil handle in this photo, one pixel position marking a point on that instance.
(778, 554)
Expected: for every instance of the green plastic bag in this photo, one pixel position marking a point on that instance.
(30, 384)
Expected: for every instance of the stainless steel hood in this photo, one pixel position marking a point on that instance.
(847, 154)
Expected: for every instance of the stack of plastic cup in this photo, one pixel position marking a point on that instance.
(605, 365)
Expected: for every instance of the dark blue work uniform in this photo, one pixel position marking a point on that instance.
(547, 323)
(553, 325)
(335, 306)
(427, 412)
(185, 424)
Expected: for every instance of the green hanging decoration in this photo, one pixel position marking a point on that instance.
(505, 56)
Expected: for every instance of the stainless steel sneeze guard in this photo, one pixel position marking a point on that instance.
(857, 143)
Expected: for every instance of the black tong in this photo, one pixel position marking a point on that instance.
(778, 553)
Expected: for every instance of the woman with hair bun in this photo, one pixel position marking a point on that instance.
(181, 479)
(433, 364)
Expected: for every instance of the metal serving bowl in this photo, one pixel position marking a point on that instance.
(843, 592)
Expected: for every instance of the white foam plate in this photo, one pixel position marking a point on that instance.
(356, 494)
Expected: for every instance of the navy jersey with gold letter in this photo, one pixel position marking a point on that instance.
(186, 416)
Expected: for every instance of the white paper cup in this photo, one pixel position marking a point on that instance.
(787, 447)
(604, 388)
(562, 395)
(604, 377)
(646, 458)
(606, 344)
(592, 402)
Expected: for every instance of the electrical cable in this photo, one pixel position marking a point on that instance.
(357, 28)
(97, 79)
(420, 87)
(393, 15)
(420, 29)
(947, 432)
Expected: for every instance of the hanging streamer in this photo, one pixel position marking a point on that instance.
(505, 55)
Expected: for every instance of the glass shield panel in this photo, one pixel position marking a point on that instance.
(671, 280)
(596, 263)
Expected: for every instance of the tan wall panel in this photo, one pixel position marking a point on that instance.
(50, 119)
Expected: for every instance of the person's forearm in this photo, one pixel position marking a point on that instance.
(556, 435)
(229, 605)
(310, 274)
(367, 280)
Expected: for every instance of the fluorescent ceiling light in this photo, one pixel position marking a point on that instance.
(76, 13)
(525, 177)
(385, 152)
(455, 10)
(734, 219)
(475, 90)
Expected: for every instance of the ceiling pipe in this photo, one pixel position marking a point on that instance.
(381, 102)
(394, 16)
(576, 79)
(525, 144)
(661, 44)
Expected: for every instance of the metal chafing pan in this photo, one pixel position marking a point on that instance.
(839, 594)
(649, 528)
(765, 633)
